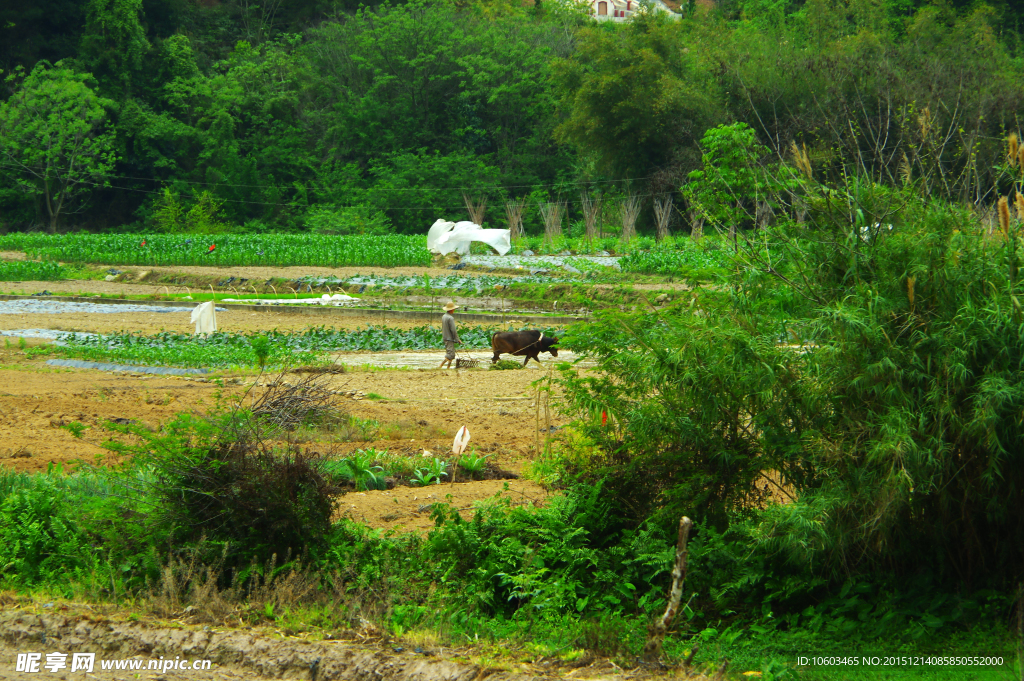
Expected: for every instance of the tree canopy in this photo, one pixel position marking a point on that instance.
(275, 108)
(54, 139)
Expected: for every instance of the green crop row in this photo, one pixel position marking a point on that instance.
(235, 349)
(223, 250)
(28, 270)
(674, 261)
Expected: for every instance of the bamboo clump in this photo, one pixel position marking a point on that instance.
(591, 212)
(629, 211)
(552, 214)
(514, 209)
(662, 217)
(475, 208)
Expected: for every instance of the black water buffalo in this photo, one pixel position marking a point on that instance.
(523, 343)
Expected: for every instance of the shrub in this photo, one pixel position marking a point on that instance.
(39, 539)
(897, 420)
(215, 479)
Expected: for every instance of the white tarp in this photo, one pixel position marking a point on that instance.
(205, 318)
(437, 230)
(445, 237)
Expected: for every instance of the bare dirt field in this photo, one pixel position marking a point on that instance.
(231, 320)
(421, 412)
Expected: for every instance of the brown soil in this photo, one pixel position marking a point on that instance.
(423, 410)
(406, 509)
(154, 322)
(260, 654)
(36, 400)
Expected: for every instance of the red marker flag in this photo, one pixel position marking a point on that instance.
(143, 244)
(212, 246)
(604, 418)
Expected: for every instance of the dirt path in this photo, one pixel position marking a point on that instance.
(233, 654)
(260, 654)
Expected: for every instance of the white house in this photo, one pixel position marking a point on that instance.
(622, 10)
(613, 10)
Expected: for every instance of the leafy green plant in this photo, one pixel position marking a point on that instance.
(388, 250)
(30, 270)
(39, 539)
(506, 365)
(215, 478)
(367, 475)
(473, 463)
(438, 468)
(76, 428)
(261, 347)
(422, 477)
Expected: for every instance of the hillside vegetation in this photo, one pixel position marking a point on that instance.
(834, 396)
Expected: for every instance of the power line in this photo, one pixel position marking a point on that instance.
(292, 205)
(476, 188)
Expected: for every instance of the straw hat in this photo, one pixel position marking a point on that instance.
(450, 306)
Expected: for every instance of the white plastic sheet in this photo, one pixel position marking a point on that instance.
(447, 237)
(205, 318)
(336, 299)
(437, 230)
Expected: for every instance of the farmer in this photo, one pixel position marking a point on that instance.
(449, 334)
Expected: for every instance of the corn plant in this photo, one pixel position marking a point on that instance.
(223, 249)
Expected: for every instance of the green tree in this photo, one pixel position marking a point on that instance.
(734, 185)
(114, 43)
(414, 189)
(633, 97)
(54, 138)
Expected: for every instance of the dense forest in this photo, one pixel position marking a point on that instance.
(267, 115)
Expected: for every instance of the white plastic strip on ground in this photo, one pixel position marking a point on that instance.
(336, 299)
(45, 334)
(104, 366)
(533, 262)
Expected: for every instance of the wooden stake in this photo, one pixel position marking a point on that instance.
(652, 650)
(547, 422)
(536, 418)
